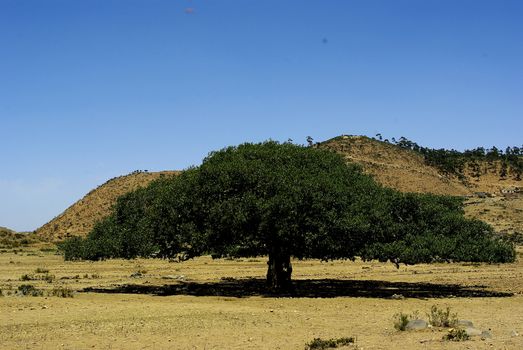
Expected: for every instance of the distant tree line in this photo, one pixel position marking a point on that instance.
(453, 162)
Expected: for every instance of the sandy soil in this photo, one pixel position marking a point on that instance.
(221, 304)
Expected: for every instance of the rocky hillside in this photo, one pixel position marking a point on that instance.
(79, 219)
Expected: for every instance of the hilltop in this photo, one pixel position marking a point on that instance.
(490, 198)
(11, 239)
(79, 219)
(394, 167)
(6, 231)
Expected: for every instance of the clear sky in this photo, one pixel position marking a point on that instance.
(92, 89)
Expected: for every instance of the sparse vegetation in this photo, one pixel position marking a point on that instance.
(454, 162)
(401, 320)
(237, 312)
(442, 317)
(42, 270)
(27, 277)
(62, 292)
(321, 344)
(456, 334)
(45, 277)
(30, 290)
(48, 278)
(48, 249)
(437, 317)
(516, 238)
(10, 239)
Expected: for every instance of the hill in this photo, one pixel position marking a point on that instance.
(11, 239)
(495, 199)
(392, 166)
(6, 231)
(79, 219)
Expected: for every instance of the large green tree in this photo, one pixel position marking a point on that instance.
(283, 201)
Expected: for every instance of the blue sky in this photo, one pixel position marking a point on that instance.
(94, 89)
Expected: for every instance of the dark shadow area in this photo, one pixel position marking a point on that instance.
(322, 288)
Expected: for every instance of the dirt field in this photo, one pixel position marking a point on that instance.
(221, 304)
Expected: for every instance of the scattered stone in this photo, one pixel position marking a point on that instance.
(473, 332)
(174, 277)
(465, 324)
(486, 335)
(397, 297)
(514, 334)
(416, 325)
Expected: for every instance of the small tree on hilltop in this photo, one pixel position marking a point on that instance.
(284, 200)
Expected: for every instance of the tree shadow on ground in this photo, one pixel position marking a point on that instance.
(321, 288)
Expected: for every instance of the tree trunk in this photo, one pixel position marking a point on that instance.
(279, 272)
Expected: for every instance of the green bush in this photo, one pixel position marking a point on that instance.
(73, 248)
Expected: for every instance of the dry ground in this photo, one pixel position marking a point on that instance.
(505, 214)
(219, 304)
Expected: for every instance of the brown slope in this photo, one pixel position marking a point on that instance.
(395, 167)
(498, 201)
(489, 180)
(79, 219)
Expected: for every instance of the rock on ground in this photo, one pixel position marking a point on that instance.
(415, 325)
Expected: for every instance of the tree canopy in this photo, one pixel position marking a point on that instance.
(285, 200)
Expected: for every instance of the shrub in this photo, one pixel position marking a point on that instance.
(442, 318)
(456, 334)
(47, 249)
(72, 248)
(27, 277)
(320, 344)
(62, 292)
(400, 321)
(41, 270)
(48, 278)
(30, 290)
